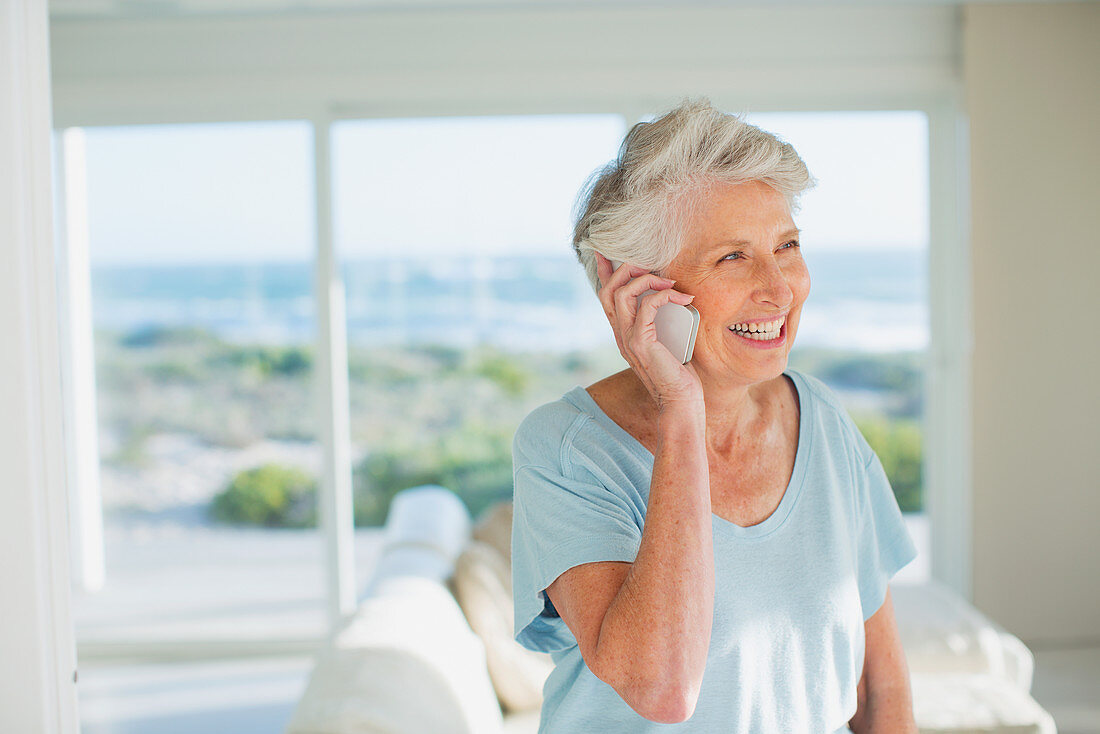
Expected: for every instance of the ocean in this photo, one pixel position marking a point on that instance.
(860, 300)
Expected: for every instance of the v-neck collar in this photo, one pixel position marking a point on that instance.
(580, 398)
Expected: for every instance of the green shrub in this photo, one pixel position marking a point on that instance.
(505, 371)
(267, 361)
(174, 371)
(899, 376)
(474, 462)
(270, 496)
(291, 361)
(898, 445)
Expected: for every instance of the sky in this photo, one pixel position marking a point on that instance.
(233, 192)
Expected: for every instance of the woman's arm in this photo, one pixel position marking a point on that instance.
(644, 627)
(885, 698)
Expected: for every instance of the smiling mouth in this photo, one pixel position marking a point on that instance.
(761, 330)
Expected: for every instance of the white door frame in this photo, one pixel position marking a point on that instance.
(37, 651)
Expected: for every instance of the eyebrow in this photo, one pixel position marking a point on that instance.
(741, 243)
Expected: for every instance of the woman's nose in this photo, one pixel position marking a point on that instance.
(772, 286)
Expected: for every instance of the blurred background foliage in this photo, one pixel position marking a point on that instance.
(898, 445)
(420, 414)
(271, 496)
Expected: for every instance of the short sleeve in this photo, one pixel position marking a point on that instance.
(884, 544)
(563, 516)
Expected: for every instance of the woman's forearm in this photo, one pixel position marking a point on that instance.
(655, 635)
(889, 710)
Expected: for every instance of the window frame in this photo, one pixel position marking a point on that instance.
(908, 78)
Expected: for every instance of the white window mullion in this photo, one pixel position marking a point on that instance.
(331, 376)
(947, 429)
(78, 362)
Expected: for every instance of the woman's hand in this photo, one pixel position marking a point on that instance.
(632, 319)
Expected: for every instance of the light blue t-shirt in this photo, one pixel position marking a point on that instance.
(791, 593)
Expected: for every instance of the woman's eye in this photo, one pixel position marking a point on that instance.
(738, 255)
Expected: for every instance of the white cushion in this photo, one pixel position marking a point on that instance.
(426, 529)
(483, 586)
(494, 527)
(975, 703)
(942, 633)
(525, 723)
(405, 663)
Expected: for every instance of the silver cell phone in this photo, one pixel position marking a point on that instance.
(676, 326)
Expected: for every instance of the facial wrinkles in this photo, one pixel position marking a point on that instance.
(693, 275)
(764, 278)
(750, 289)
(747, 248)
(751, 273)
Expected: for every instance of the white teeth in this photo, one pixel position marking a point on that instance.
(767, 330)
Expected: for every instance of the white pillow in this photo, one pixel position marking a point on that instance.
(495, 528)
(975, 703)
(482, 584)
(942, 633)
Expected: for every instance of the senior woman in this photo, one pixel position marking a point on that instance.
(707, 543)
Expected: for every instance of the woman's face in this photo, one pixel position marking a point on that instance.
(742, 262)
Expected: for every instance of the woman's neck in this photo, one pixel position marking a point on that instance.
(736, 414)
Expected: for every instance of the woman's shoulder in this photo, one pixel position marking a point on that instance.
(819, 392)
(571, 431)
(541, 435)
(832, 416)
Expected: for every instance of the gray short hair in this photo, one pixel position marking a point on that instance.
(633, 208)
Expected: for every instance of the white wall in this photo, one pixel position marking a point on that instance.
(1033, 97)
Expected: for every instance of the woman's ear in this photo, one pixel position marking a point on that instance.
(604, 268)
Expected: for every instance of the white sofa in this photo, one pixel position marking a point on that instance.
(406, 662)
(409, 661)
(968, 674)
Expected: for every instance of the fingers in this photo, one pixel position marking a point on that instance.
(626, 297)
(648, 305)
(610, 277)
(611, 283)
(632, 316)
(630, 313)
